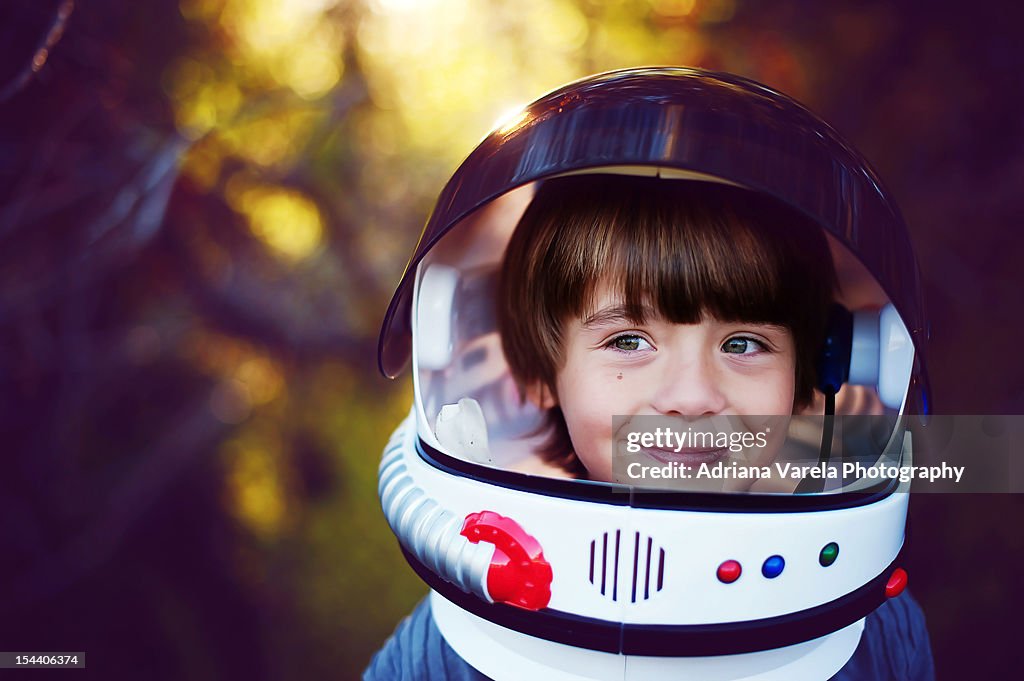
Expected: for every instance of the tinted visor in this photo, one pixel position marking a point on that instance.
(478, 409)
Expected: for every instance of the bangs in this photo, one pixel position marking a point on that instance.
(683, 250)
(684, 275)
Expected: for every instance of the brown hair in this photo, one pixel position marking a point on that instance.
(680, 248)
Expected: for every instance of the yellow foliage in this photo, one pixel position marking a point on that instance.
(255, 495)
(262, 377)
(283, 219)
(293, 41)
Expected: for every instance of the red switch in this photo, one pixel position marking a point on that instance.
(518, 575)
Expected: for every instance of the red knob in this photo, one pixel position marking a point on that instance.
(896, 584)
(518, 575)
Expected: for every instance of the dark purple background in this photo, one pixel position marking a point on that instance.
(931, 92)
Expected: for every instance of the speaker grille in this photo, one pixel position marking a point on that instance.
(626, 566)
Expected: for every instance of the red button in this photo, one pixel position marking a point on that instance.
(729, 572)
(896, 584)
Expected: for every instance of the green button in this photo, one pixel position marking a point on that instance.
(829, 554)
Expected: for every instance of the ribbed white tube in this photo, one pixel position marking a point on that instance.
(426, 529)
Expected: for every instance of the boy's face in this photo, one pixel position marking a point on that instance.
(613, 366)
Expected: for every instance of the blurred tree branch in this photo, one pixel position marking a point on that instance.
(91, 255)
(41, 53)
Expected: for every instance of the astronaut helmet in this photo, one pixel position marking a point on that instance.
(584, 497)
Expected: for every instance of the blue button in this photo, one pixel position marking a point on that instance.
(773, 566)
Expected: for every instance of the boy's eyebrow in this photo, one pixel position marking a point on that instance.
(614, 314)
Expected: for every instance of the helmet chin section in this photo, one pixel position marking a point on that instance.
(625, 585)
(506, 655)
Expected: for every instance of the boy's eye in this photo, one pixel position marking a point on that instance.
(742, 346)
(628, 343)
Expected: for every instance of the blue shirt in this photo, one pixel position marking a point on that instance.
(893, 647)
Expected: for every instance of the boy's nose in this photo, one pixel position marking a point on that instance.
(690, 389)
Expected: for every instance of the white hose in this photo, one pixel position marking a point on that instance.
(426, 529)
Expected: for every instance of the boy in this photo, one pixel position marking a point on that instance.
(634, 296)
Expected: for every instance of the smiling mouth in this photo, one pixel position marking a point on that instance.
(688, 456)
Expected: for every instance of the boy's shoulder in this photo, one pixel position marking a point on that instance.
(894, 645)
(418, 652)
